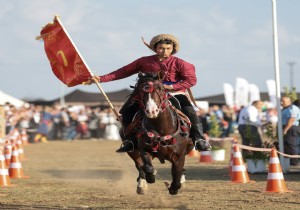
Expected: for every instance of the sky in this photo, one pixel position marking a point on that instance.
(224, 39)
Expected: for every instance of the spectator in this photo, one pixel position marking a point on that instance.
(102, 123)
(297, 103)
(42, 131)
(228, 116)
(111, 128)
(33, 125)
(56, 116)
(249, 123)
(217, 112)
(94, 124)
(64, 124)
(290, 123)
(202, 115)
(82, 127)
(10, 115)
(73, 124)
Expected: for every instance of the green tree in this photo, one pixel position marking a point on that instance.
(215, 130)
(291, 93)
(214, 127)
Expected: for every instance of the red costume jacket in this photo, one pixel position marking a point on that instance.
(179, 72)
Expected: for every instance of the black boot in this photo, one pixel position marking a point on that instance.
(196, 134)
(127, 142)
(127, 146)
(128, 111)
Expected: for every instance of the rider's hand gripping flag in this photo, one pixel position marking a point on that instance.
(65, 60)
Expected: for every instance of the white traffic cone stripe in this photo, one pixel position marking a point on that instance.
(2, 158)
(3, 172)
(274, 160)
(15, 165)
(8, 156)
(275, 176)
(205, 152)
(239, 168)
(15, 153)
(237, 154)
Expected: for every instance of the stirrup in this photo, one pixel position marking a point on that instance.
(124, 145)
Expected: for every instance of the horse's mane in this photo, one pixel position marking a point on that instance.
(142, 77)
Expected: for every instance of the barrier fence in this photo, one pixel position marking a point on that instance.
(258, 149)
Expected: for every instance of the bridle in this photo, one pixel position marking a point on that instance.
(155, 86)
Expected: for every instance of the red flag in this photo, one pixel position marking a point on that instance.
(65, 61)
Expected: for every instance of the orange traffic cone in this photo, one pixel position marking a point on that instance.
(14, 135)
(24, 136)
(21, 150)
(205, 157)
(7, 154)
(239, 173)
(234, 141)
(230, 162)
(194, 153)
(4, 176)
(15, 166)
(275, 181)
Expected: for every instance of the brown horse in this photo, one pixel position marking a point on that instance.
(162, 134)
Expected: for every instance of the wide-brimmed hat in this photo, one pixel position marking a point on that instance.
(160, 37)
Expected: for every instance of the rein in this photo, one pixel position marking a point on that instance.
(149, 88)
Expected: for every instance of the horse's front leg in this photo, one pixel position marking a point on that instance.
(148, 167)
(142, 187)
(177, 172)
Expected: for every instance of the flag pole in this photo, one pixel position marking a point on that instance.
(277, 78)
(91, 73)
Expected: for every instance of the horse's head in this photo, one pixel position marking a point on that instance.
(153, 94)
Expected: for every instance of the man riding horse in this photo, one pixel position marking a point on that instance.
(178, 77)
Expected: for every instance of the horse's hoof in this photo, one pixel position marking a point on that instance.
(142, 190)
(173, 192)
(150, 178)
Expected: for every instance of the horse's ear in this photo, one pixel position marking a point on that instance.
(161, 75)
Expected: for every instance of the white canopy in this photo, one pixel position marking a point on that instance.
(12, 100)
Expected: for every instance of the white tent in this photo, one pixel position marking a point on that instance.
(12, 100)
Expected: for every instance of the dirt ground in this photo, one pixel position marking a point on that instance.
(86, 174)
